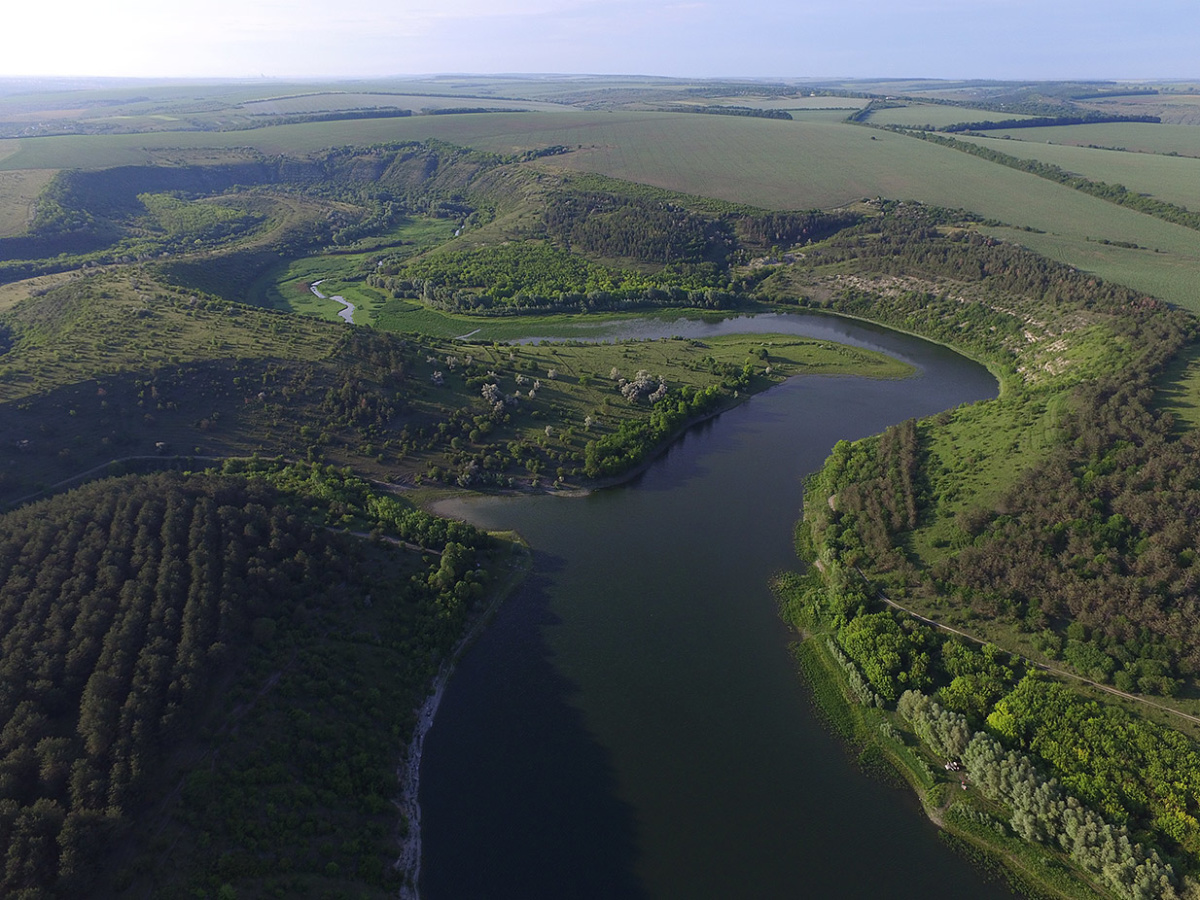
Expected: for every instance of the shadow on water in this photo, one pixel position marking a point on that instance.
(631, 725)
(689, 466)
(512, 740)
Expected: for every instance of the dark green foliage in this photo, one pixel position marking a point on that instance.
(611, 225)
(876, 486)
(1089, 118)
(118, 604)
(633, 441)
(891, 657)
(751, 111)
(122, 604)
(1102, 535)
(785, 229)
(977, 677)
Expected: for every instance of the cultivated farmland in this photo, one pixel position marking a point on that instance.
(935, 115)
(1170, 178)
(1141, 137)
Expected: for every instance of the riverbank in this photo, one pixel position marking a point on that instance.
(882, 744)
(409, 860)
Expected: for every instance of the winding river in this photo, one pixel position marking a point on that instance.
(631, 725)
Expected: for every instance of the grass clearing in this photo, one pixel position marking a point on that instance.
(18, 190)
(974, 456)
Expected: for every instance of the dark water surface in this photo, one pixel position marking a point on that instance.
(632, 725)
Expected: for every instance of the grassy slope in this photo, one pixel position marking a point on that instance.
(111, 366)
(18, 190)
(774, 164)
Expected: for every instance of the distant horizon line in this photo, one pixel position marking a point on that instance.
(421, 76)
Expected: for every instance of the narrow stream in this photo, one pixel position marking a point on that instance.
(347, 312)
(632, 723)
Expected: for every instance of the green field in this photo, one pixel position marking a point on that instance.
(1171, 178)
(1169, 275)
(936, 115)
(18, 190)
(803, 164)
(326, 101)
(1140, 137)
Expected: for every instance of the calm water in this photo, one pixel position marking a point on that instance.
(632, 725)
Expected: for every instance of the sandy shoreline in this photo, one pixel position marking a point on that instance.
(409, 860)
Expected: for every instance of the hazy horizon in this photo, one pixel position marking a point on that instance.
(370, 40)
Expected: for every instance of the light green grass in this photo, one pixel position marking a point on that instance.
(18, 190)
(1135, 136)
(1179, 390)
(1171, 178)
(975, 455)
(935, 114)
(513, 131)
(339, 100)
(287, 285)
(1173, 274)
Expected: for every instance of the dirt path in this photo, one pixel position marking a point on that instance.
(1064, 673)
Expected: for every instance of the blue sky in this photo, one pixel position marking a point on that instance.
(1018, 39)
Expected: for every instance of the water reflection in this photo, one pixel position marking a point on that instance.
(632, 724)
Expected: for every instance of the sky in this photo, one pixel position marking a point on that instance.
(1003, 39)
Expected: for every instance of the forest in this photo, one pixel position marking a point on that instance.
(125, 604)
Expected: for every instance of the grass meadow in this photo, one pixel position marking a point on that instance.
(1175, 179)
(18, 190)
(1139, 137)
(937, 115)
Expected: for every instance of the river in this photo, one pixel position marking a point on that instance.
(631, 725)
